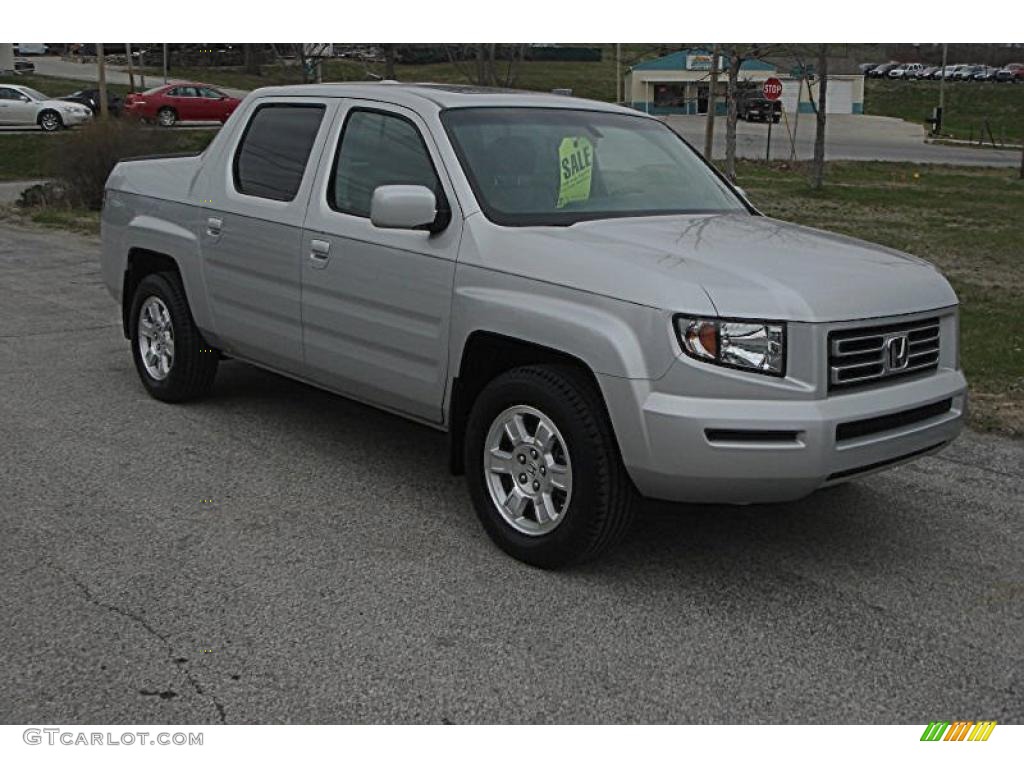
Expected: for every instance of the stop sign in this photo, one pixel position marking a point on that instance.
(772, 89)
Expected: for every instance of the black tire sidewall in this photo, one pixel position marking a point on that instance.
(572, 536)
(161, 287)
(42, 117)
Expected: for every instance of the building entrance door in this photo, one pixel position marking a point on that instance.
(702, 98)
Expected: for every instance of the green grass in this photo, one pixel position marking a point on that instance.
(31, 155)
(967, 221)
(968, 105)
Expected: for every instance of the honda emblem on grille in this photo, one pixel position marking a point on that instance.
(897, 353)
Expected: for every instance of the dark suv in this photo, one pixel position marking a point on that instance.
(753, 107)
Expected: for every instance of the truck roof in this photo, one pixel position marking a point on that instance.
(440, 95)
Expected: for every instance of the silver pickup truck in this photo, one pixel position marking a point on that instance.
(564, 286)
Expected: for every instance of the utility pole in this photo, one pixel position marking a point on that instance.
(709, 121)
(165, 63)
(101, 74)
(131, 69)
(618, 73)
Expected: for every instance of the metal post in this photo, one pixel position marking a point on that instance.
(796, 118)
(101, 75)
(131, 69)
(165, 63)
(618, 73)
(771, 119)
(709, 121)
(942, 93)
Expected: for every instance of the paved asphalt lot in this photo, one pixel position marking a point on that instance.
(276, 554)
(847, 137)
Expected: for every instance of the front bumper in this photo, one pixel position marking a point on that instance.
(75, 118)
(701, 449)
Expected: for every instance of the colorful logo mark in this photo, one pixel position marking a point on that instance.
(959, 730)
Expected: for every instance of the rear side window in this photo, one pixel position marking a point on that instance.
(274, 150)
(378, 149)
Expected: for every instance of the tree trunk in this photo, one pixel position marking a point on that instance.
(818, 164)
(730, 121)
(252, 54)
(709, 123)
(389, 61)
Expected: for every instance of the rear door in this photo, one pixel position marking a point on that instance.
(251, 230)
(376, 302)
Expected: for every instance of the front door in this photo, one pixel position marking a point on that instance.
(375, 302)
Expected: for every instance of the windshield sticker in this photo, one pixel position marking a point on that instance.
(576, 161)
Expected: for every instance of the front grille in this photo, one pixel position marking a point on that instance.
(859, 357)
(864, 427)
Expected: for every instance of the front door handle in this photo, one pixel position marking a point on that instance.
(319, 253)
(213, 226)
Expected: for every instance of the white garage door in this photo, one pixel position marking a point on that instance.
(840, 97)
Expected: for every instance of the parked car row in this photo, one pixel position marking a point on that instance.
(164, 105)
(894, 70)
(21, 105)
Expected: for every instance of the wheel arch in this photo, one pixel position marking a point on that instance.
(140, 263)
(485, 355)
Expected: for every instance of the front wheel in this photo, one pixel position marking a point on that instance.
(171, 357)
(50, 121)
(543, 467)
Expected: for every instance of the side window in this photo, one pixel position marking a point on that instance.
(209, 93)
(378, 149)
(274, 150)
(174, 92)
(187, 90)
(9, 94)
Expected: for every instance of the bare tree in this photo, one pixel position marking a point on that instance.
(737, 53)
(491, 65)
(709, 124)
(390, 51)
(252, 55)
(819, 105)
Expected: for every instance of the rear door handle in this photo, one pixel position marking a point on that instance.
(319, 253)
(213, 226)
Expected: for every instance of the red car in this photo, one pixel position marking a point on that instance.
(167, 104)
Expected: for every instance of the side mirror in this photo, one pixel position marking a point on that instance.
(407, 206)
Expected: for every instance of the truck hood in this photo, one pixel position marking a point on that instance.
(748, 266)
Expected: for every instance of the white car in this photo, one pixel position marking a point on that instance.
(31, 49)
(21, 105)
(905, 71)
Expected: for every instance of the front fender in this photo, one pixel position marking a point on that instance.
(613, 338)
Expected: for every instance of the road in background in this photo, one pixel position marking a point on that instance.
(55, 66)
(279, 554)
(847, 137)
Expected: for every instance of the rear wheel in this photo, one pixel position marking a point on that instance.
(543, 467)
(50, 121)
(171, 357)
(166, 117)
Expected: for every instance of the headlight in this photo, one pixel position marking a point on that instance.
(749, 345)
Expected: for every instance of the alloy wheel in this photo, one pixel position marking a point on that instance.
(156, 338)
(527, 470)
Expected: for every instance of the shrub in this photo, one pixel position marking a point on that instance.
(84, 159)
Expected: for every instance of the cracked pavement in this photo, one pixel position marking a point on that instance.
(279, 554)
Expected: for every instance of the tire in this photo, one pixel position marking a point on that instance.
(50, 121)
(599, 507)
(166, 117)
(192, 365)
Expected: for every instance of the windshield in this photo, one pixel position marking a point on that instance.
(536, 166)
(33, 94)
